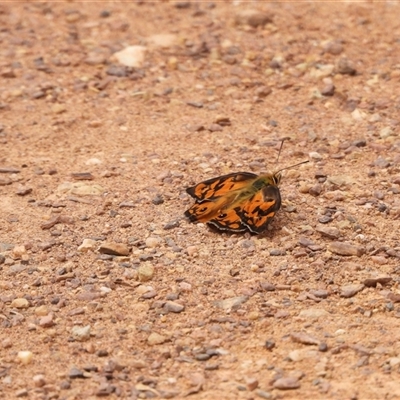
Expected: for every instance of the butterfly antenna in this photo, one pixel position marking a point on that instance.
(280, 150)
(292, 166)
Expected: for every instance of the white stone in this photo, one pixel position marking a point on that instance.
(93, 161)
(131, 56)
(162, 40)
(25, 357)
(87, 244)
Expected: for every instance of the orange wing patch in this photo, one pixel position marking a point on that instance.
(220, 186)
(257, 212)
(229, 220)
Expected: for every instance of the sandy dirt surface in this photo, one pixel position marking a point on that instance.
(106, 290)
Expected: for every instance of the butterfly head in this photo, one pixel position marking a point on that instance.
(276, 178)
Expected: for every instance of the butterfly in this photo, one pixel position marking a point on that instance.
(237, 202)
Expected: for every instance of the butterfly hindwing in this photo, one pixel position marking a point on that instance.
(257, 211)
(220, 186)
(229, 220)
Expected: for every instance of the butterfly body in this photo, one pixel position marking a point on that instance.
(236, 202)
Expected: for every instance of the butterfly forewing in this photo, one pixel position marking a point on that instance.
(221, 186)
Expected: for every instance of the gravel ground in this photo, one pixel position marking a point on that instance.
(109, 111)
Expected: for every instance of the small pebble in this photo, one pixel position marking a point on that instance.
(21, 393)
(172, 306)
(320, 293)
(145, 272)
(269, 344)
(287, 383)
(152, 242)
(382, 279)
(267, 286)
(346, 249)
(348, 291)
(65, 385)
(171, 225)
(381, 162)
(80, 333)
(345, 67)
(231, 303)
(334, 47)
(315, 190)
(87, 245)
(155, 338)
(46, 321)
(277, 252)
(323, 347)
(328, 231)
(251, 383)
(20, 303)
(304, 338)
(253, 18)
(115, 249)
(315, 156)
(379, 260)
(75, 373)
(192, 250)
(263, 91)
(215, 128)
(313, 313)
(25, 357)
(131, 56)
(263, 394)
(39, 380)
(328, 90)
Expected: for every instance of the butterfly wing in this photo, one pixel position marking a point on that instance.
(221, 186)
(229, 220)
(258, 210)
(235, 202)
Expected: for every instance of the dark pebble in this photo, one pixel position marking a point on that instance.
(157, 200)
(267, 286)
(215, 128)
(90, 368)
(117, 70)
(195, 104)
(381, 162)
(65, 385)
(269, 344)
(149, 295)
(75, 373)
(346, 67)
(360, 143)
(182, 5)
(305, 242)
(171, 225)
(328, 90)
(315, 190)
(202, 357)
(105, 14)
(325, 219)
(172, 296)
(277, 252)
(323, 347)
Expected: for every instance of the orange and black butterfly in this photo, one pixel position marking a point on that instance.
(237, 202)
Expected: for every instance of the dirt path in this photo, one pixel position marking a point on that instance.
(95, 158)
